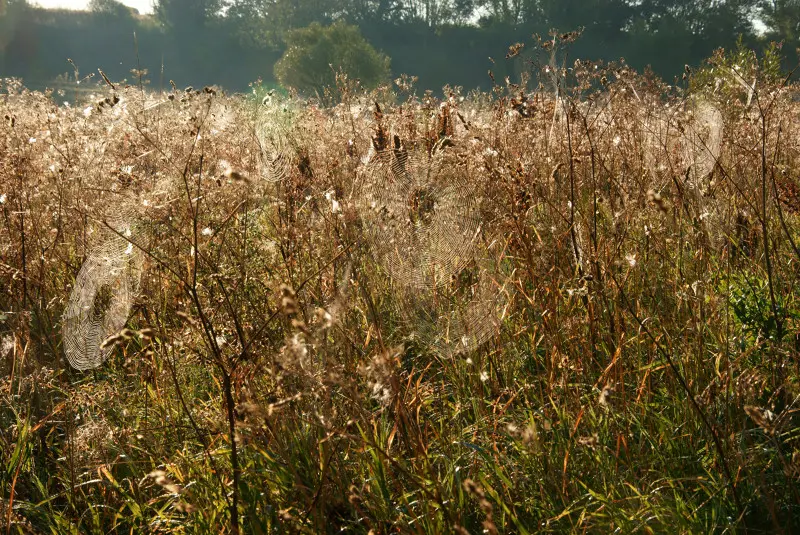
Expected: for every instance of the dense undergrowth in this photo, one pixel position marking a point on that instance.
(600, 336)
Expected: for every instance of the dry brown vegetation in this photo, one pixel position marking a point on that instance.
(568, 308)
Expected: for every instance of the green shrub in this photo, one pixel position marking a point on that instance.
(737, 73)
(315, 54)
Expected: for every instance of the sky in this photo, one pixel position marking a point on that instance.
(144, 6)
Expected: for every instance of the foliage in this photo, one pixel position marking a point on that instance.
(736, 73)
(782, 18)
(314, 56)
(110, 9)
(184, 17)
(439, 41)
(751, 306)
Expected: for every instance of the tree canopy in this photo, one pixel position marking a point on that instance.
(314, 55)
(440, 41)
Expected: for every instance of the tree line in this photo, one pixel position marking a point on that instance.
(232, 42)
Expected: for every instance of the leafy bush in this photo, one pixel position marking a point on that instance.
(735, 73)
(315, 54)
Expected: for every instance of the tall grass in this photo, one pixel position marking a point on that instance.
(614, 350)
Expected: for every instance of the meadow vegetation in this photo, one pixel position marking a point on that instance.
(566, 305)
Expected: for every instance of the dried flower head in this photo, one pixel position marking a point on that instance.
(604, 400)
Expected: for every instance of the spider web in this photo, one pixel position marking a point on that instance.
(273, 119)
(460, 317)
(703, 139)
(101, 300)
(479, 317)
(421, 215)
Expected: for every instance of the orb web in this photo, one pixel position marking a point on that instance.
(464, 314)
(477, 316)
(702, 141)
(656, 139)
(275, 160)
(272, 122)
(101, 299)
(421, 215)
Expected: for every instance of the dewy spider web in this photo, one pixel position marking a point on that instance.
(702, 142)
(104, 291)
(421, 215)
(273, 119)
(479, 316)
(459, 317)
(698, 142)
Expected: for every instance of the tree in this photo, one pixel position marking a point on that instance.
(254, 23)
(782, 18)
(109, 7)
(374, 11)
(670, 33)
(187, 16)
(111, 11)
(262, 23)
(709, 19)
(509, 12)
(437, 13)
(603, 20)
(14, 16)
(315, 54)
